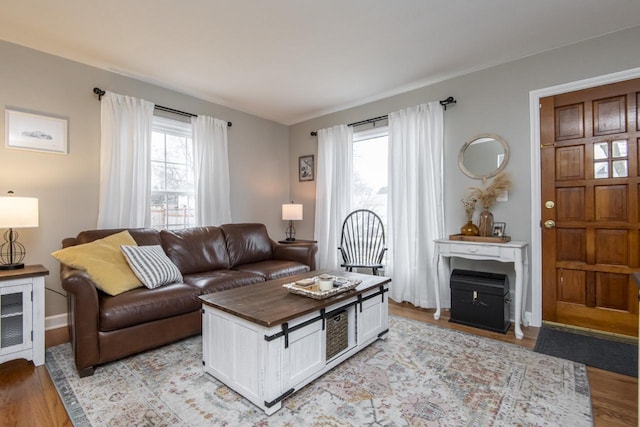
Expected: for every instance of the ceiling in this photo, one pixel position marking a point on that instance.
(292, 60)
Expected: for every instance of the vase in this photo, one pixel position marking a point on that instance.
(486, 223)
(469, 229)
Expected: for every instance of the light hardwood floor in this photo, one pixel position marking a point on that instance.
(28, 397)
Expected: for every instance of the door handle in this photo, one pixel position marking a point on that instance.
(549, 224)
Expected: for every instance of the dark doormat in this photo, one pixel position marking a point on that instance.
(608, 354)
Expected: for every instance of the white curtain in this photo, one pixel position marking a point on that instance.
(211, 167)
(126, 125)
(333, 191)
(416, 214)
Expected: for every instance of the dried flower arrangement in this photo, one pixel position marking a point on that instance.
(469, 204)
(487, 196)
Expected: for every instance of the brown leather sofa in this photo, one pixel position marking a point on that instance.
(103, 328)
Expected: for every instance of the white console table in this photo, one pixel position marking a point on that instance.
(515, 252)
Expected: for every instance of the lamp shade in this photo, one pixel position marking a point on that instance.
(292, 211)
(18, 212)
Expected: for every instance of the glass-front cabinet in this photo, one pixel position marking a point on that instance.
(22, 314)
(15, 318)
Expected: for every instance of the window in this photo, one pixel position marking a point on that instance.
(172, 178)
(370, 177)
(610, 159)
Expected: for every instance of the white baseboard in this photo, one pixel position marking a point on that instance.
(55, 322)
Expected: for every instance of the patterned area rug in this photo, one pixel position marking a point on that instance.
(420, 375)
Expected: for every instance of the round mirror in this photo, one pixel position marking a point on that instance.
(483, 156)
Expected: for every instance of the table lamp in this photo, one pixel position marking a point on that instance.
(15, 212)
(291, 212)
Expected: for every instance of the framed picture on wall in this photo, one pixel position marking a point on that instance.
(305, 168)
(35, 131)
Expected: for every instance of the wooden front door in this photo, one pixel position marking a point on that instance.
(590, 207)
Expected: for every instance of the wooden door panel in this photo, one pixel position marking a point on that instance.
(589, 163)
(633, 154)
(572, 286)
(570, 163)
(569, 122)
(620, 322)
(637, 115)
(571, 244)
(612, 291)
(570, 204)
(637, 200)
(612, 247)
(611, 203)
(610, 115)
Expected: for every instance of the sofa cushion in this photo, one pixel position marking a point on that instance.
(274, 269)
(194, 250)
(220, 280)
(104, 262)
(145, 305)
(247, 243)
(151, 265)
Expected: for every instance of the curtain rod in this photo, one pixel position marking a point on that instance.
(101, 93)
(373, 120)
(444, 103)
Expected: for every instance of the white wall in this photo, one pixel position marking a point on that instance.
(494, 100)
(263, 166)
(67, 185)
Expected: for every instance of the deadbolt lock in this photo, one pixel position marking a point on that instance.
(549, 204)
(549, 224)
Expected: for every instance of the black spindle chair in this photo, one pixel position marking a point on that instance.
(362, 244)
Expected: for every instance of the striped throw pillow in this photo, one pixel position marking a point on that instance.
(151, 265)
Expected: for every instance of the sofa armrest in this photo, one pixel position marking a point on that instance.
(304, 253)
(83, 306)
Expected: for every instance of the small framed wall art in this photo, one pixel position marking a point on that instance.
(305, 168)
(26, 130)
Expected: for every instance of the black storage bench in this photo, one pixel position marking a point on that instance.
(480, 299)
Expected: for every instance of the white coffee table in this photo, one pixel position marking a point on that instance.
(265, 342)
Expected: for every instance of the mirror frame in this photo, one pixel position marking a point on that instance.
(495, 172)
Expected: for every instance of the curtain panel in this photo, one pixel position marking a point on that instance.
(333, 191)
(126, 126)
(416, 212)
(211, 169)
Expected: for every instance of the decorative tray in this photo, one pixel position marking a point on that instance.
(492, 239)
(309, 287)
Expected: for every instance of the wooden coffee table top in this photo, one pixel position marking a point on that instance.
(269, 303)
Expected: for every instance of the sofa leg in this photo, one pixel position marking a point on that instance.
(86, 372)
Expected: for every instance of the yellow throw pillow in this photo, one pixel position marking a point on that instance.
(104, 262)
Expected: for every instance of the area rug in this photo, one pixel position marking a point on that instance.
(419, 375)
(608, 354)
